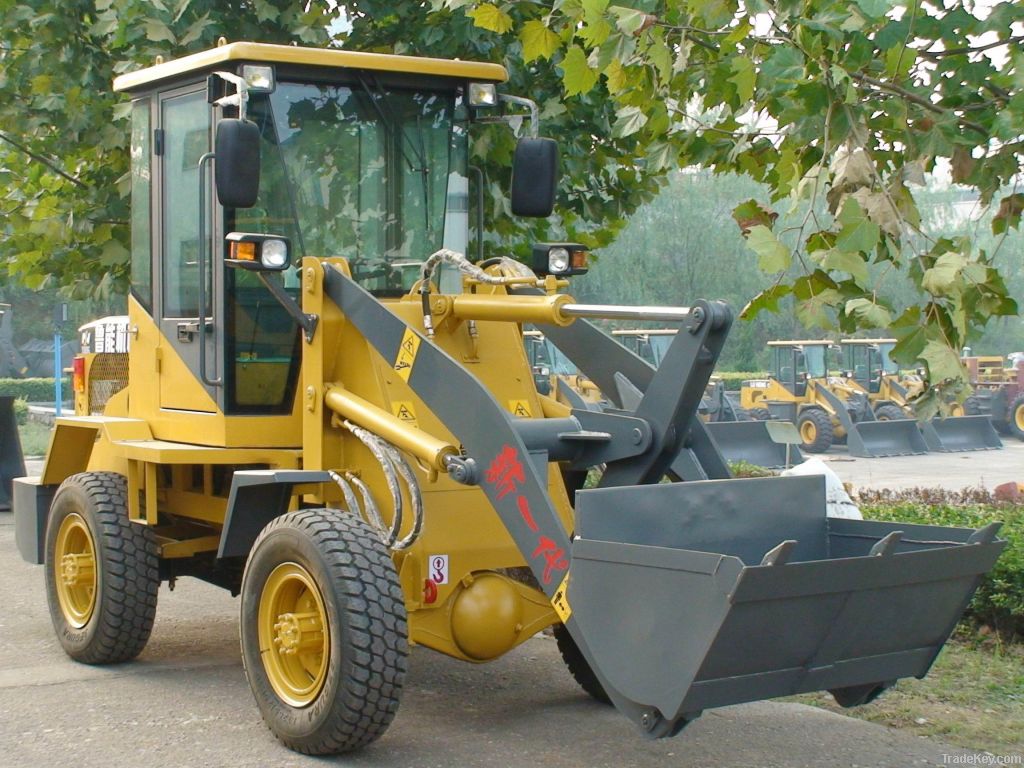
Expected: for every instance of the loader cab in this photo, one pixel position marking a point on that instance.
(361, 156)
(868, 362)
(794, 363)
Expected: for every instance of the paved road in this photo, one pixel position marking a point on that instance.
(945, 470)
(185, 702)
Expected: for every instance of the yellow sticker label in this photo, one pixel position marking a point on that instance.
(520, 408)
(560, 601)
(407, 354)
(404, 410)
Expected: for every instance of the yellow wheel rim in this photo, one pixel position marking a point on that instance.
(808, 431)
(294, 636)
(74, 564)
(956, 409)
(1018, 417)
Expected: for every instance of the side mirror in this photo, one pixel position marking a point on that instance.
(237, 168)
(534, 176)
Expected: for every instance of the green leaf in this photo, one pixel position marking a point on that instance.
(628, 121)
(858, 233)
(743, 77)
(629, 20)
(870, 313)
(898, 61)
(158, 32)
(577, 76)
(538, 41)
(490, 17)
(772, 255)
(941, 277)
(874, 9)
(943, 362)
(845, 261)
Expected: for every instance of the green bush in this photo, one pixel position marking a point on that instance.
(734, 379)
(33, 390)
(20, 411)
(999, 601)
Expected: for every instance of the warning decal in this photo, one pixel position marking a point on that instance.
(520, 408)
(407, 354)
(560, 601)
(438, 569)
(403, 409)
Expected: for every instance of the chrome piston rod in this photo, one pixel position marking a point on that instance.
(620, 312)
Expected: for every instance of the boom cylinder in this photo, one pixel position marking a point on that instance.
(428, 449)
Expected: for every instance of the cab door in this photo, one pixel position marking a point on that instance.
(184, 137)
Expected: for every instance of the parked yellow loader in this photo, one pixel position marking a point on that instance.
(825, 407)
(356, 447)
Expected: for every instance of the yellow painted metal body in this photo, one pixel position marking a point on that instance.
(178, 462)
(758, 393)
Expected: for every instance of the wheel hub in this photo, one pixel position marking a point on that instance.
(297, 632)
(74, 565)
(294, 634)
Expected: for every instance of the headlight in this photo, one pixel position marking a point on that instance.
(560, 259)
(482, 95)
(275, 254)
(249, 250)
(260, 79)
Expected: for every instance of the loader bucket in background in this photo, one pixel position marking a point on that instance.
(704, 594)
(750, 441)
(960, 433)
(12, 463)
(894, 437)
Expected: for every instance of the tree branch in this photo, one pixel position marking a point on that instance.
(40, 159)
(915, 99)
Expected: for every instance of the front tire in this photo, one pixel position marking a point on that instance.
(323, 631)
(102, 571)
(889, 412)
(816, 431)
(1015, 418)
(578, 666)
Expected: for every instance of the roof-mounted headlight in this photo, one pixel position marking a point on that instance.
(482, 95)
(259, 78)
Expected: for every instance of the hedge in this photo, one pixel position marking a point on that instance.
(999, 601)
(33, 390)
(734, 379)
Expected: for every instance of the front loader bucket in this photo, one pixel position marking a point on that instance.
(960, 433)
(709, 593)
(750, 441)
(894, 437)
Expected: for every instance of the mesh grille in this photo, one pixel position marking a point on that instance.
(108, 375)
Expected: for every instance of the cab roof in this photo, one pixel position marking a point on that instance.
(265, 53)
(802, 343)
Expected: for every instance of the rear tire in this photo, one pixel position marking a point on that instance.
(102, 571)
(323, 631)
(578, 666)
(1015, 418)
(816, 431)
(889, 412)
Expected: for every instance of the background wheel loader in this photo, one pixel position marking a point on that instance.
(867, 362)
(363, 457)
(998, 393)
(825, 407)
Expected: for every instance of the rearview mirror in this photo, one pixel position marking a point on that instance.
(534, 176)
(237, 168)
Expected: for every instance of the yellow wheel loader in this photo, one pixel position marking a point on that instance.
(868, 363)
(357, 449)
(825, 407)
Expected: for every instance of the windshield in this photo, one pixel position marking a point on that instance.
(815, 362)
(363, 173)
(659, 346)
(888, 364)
